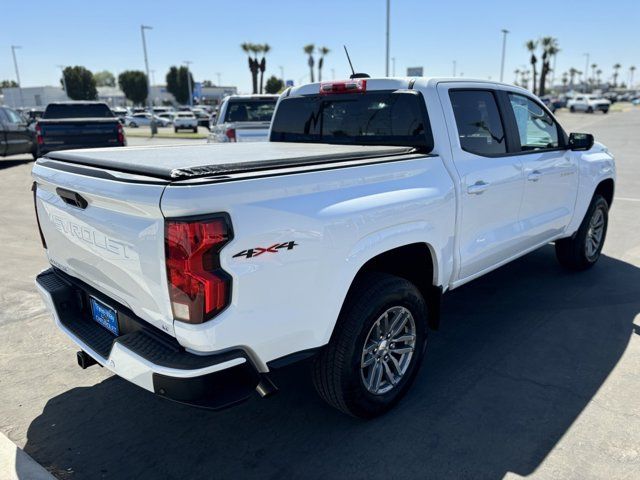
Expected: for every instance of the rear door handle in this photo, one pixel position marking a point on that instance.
(534, 176)
(477, 188)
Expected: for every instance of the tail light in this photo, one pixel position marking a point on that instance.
(39, 138)
(121, 139)
(198, 287)
(231, 134)
(347, 86)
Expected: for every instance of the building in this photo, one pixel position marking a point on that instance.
(33, 96)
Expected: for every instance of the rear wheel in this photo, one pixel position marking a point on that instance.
(195, 129)
(133, 125)
(605, 111)
(175, 129)
(376, 348)
(583, 250)
(589, 109)
(572, 109)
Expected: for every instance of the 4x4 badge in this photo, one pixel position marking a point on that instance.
(275, 248)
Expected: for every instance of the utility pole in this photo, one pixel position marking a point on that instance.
(586, 72)
(393, 62)
(154, 128)
(64, 80)
(219, 81)
(504, 49)
(282, 74)
(153, 77)
(387, 54)
(454, 68)
(333, 74)
(187, 63)
(15, 64)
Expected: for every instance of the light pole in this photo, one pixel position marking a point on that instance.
(153, 77)
(187, 63)
(333, 74)
(586, 72)
(154, 128)
(454, 68)
(393, 62)
(387, 54)
(504, 49)
(219, 81)
(15, 64)
(282, 74)
(64, 80)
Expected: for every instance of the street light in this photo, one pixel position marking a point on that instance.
(387, 54)
(504, 49)
(64, 80)
(15, 64)
(187, 63)
(154, 128)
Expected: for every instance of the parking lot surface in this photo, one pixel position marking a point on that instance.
(534, 372)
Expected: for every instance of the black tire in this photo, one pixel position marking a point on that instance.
(133, 125)
(572, 252)
(337, 368)
(195, 130)
(175, 129)
(605, 111)
(572, 109)
(589, 109)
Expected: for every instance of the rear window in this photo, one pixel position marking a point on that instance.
(78, 110)
(250, 110)
(374, 118)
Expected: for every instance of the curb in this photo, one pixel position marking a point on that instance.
(15, 464)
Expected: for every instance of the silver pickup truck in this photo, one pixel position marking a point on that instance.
(243, 118)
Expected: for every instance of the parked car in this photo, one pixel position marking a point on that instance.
(120, 113)
(588, 103)
(169, 116)
(185, 121)
(15, 135)
(202, 117)
(143, 119)
(71, 125)
(194, 272)
(243, 118)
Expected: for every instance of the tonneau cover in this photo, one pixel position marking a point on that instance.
(176, 162)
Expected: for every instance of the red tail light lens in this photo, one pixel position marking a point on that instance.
(198, 287)
(231, 134)
(347, 86)
(121, 139)
(39, 138)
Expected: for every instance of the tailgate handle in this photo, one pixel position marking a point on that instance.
(71, 198)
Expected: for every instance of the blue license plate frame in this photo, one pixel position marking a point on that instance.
(105, 316)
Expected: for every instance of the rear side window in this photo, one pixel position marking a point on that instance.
(250, 110)
(78, 110)
(372, 118)
(536, 129)
(478, 121)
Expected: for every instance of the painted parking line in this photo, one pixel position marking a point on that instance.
(626, 199)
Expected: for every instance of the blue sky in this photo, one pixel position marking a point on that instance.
(106, 35)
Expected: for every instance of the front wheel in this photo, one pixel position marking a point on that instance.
(583, 250)
(572, 109)
(589, 109)
(376, 348)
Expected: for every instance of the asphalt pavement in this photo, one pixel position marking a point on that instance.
(534, 372)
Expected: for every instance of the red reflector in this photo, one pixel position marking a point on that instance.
(39, 138)
(120, 135)
(198, 287)
(231, 134)
(346, 86)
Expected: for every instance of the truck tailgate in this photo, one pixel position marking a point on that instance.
(109, 234)
(252, 132)
(70, 133)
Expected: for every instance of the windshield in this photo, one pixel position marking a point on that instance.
(250, 110)
(78, 110)
(374, 118)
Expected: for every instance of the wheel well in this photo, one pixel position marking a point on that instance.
(605, 188)
(412, 262)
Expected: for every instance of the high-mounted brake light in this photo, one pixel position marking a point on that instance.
(39, 138)
(198, 287)
(346, 86)
(231, 134)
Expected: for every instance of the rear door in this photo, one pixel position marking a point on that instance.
(550, 170)
(109, 234)
(491, 178)
(18, 137)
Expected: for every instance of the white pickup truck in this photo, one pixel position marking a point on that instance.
(243, 118)
(194, 271)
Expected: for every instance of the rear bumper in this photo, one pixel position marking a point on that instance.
(145, 356)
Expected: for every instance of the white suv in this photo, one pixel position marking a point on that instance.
(185, 121)
(588, 103)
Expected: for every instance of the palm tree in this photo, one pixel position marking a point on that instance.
(309, 49)
(598, 73)
(323, 51)
(616, 67)
(250, 48)
(593, 71)
(531, 46)
(516, 72)
(632, 69)
(549, 49)
(266, 48)
(565, 80)
(572, 76)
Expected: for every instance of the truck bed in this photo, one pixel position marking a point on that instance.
(178, 162)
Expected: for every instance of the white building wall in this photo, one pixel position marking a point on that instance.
(30, 97)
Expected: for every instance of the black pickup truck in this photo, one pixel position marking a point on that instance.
(71, 125)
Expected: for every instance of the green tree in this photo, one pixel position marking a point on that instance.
(105, 79)
(177, 83)
(323, 52)
(134, 85)
(264, 49)
(80, 83)
(532, 45)
(308, 50)
(549, 50)
(274, 85)
(254, 65)
(616, 72)
(7, 84)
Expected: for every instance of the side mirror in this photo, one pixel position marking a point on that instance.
(580, 141)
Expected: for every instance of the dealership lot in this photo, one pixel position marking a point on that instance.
(534, 370)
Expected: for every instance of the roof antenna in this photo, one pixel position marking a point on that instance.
(353, 72)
